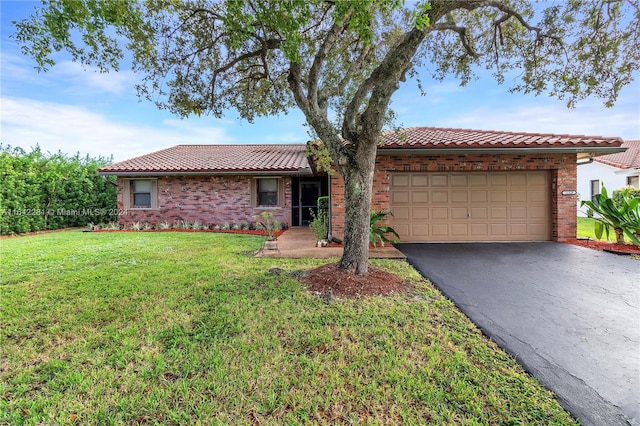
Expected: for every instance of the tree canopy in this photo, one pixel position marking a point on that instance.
(340, 61)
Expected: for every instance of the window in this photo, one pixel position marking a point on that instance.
(267, 192)
(633, 181)
(141, 190)
(595, 189)
(141, 194)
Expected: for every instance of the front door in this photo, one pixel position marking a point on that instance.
(308, 201)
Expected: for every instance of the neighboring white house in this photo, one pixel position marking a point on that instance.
(615, 171)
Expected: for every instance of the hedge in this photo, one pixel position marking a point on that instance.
(52, 191)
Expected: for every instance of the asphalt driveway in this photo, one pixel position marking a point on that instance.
(570, 316)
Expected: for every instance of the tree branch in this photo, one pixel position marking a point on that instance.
(318, 62)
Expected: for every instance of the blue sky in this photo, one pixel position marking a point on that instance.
(72, 110)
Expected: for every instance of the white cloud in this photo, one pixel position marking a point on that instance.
(70, 129)
(592, 120)
(87, 79)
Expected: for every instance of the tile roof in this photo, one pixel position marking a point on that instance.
(212, 159)
(630, 159)
(216, 159)
(443, 138)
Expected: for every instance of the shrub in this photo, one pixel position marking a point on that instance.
(623, 217)
(377, 233)
(320, 222)
(51, 191)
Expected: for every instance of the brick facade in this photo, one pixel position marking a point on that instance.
(212, 200)
(561, 166)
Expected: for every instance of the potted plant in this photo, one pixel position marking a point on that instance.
(266, 222)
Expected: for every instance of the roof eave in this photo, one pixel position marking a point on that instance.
(599, 150)
(124, 173)
(628, 172)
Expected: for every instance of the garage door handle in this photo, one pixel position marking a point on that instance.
(469, 213)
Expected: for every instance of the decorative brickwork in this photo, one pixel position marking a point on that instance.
(562, 168)
(213, 200)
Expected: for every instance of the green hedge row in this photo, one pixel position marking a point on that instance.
(52, 191)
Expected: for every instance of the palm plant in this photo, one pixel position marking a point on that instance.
(624, 219)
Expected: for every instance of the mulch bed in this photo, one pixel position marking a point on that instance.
(606, 246)
(329, 281)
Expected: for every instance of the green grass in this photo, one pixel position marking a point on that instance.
(585, 228)
(188, 328)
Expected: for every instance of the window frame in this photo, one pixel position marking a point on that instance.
(594, 190)
(129, 194)
(255, 194)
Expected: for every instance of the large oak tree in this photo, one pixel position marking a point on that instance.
(340, 61)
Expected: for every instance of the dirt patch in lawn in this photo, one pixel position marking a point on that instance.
(606, 246)
(46, 231)
(329, 281)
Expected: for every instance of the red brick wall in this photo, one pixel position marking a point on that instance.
(213, 200)
(563, 174)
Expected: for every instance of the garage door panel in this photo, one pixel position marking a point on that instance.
(499, 213)
(478, 180)
(419, 180)
(516, 196)
(518, 212)
(402, 228)
(419, 213)
(459, 229)
(400, 197)
(439, 213)
(499, 196)
(439, 229)
(479, 196)
(439, 180)
(497, 179)
(420, 230)
(439, 197)
(479, 229)
(537, 179)
(401, 213)
(459, 181)
(471, 206)
(518, 229)
(459, 213)
(400, 181)
(538, 228)
(538, 212)
(460, 196)
(537, 196)
(420, 197)
(498, 229)
(518, 179)
(479, 213)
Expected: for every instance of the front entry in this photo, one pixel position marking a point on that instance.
(305, 193)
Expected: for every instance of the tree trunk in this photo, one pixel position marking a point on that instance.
(358, 179)
(619, 235)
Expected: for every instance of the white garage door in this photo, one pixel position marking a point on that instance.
(471, 206)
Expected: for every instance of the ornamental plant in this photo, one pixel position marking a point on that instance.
(265, 221)
(378, 233)
(623, 218)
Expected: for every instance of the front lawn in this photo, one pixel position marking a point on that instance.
(188, 328)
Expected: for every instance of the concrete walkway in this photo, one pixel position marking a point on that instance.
(570, 315)
(299, 242)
